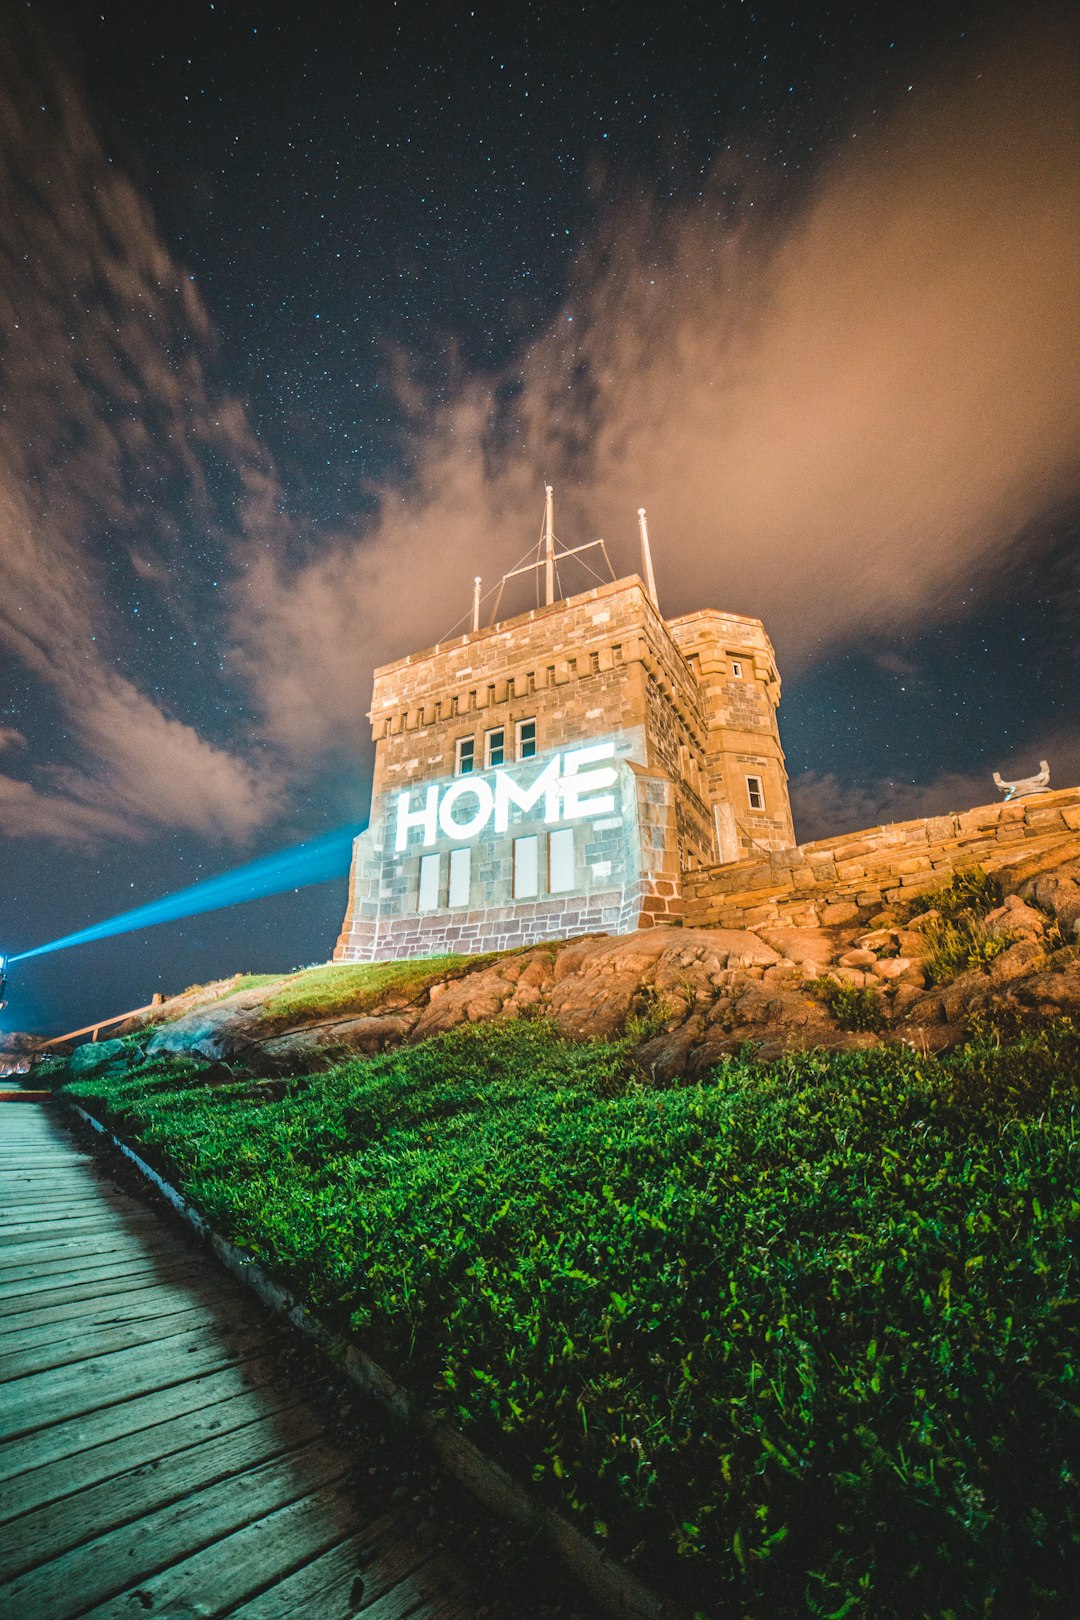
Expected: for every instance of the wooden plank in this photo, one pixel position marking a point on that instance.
(44, 1534)
(58, 1278)
(30, 1190)
(89, 1341)
(42, 1203)
(56, 1209)
(67, 1440)
(358, 1571)
(37, 1487)
(64, 1304)
(16, 1158)
(59, 1249)
(230, 1570)
(74, 1175)
(79, 1225)
(64, 1392)
(67, 1586)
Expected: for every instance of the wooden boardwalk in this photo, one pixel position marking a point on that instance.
(152, 1458)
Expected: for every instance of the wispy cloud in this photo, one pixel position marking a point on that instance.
(841, 412)
(103, 341)
(842, 409)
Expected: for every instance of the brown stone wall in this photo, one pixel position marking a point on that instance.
(740, 711)
(579, 667)
(841, 879)
(598, 667)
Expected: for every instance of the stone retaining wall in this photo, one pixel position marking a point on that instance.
(840, 880)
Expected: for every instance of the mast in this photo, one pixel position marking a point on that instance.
(646, 558)
(549, 544)
(476, 602)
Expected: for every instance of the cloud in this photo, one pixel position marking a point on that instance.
(842, 409)
(11, 738)
(111, 423)
(27, 812)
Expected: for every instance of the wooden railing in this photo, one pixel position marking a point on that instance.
(102, 1023)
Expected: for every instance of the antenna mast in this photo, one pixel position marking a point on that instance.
(646, 558)
(476, 602)
(549, 544)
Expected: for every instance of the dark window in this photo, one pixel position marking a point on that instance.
(464, 756)
(526, 739)
(494, 747)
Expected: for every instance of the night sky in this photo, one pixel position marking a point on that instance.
(300, 307)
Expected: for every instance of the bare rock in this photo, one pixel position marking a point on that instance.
(800, 945)
(296, 1049)
(1015, 916)
(1056, 890)
(905, 997)
(855, 977)
(891, 967)
(911, 942)
(838, 912)
(858, 958)
(877, 940)
(1018, 960)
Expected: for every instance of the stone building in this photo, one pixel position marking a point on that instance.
(560, 771)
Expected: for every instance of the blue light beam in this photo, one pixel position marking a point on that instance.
(315, 862)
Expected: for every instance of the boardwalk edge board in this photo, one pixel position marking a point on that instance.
(609, 1584)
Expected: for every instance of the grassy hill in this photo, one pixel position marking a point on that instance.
(795, 1337)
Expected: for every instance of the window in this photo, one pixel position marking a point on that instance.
(755, 792)
(464, 756)
(494, 747)
(429, 883)
(460, 875)
(525, 867)
(736, 668)
(561, 860)
(526, 739)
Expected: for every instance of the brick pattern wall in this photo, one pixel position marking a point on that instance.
(743, 737)
(493, 928)
(598, 666)
(840, 879)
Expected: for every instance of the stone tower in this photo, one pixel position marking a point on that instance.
(558, 773)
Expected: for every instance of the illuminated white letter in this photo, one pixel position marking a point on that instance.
(507, 792)
(407, 818)
(484, 799)
(581, 790)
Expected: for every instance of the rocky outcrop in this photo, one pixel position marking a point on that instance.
(686, 996)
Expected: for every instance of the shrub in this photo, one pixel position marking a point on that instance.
(800, 1337)
(649, 1014)
(853, 1009)
(956, 947)
(972, 892)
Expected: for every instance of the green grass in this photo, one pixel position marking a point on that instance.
(955, 947)
(958, 939)
(807, 1333)
(342, 987)
(971, 892)
(252, 981)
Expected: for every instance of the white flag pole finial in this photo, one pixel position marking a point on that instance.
(646, 559)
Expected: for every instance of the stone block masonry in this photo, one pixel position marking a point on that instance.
(686, 710)
(850, 877)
